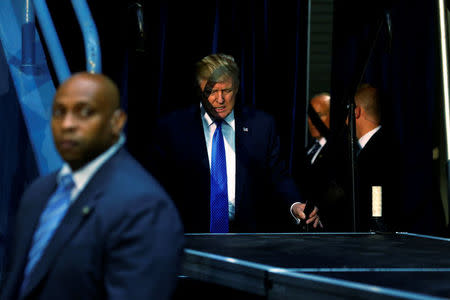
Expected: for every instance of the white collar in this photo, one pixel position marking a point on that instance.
(365, 138)
(322, 141)
(228, 119)
(82, 176)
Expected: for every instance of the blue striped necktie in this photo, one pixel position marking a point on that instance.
(312, 151)
(219, 187)
(49, 220)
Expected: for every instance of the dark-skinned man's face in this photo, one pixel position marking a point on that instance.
(84, 121)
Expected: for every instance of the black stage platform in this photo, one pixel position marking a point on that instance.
(322, 265)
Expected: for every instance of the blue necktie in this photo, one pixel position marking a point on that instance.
(219, 188)
(49, 220)
(358, 148)
(312, 151)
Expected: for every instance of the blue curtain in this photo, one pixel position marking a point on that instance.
(268, 40)
(404, 65)
(18, 167)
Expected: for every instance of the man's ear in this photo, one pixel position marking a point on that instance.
(357, 112)
(118, 121)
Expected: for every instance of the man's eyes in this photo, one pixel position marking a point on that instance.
(225, 91)
(57, 112)
(85, 112)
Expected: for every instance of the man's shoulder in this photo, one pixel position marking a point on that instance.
(124, 168)
(251, 113)
(43, 181)
(124, 189)
(379, 141)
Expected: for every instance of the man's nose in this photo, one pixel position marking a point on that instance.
(220, 97)
(69, 121)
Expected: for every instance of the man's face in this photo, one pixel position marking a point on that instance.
(83, 122)
(221, 100)
(323, 111)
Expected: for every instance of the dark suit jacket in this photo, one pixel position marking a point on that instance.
(121, 239)
(264, 191)
(322, 182)
(379, 165)
(328, 182)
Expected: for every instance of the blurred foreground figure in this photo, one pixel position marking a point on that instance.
(101, 227)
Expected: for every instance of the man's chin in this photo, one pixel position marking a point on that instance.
(221, 115)
(73, 159)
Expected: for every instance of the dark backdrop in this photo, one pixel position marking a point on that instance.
(268, 40)
(404, 65)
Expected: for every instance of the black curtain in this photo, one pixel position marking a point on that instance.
(404, 64)
(268, 40)
(155, 71)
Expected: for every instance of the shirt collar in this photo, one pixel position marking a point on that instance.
(84, 174)
(322, 141)
(365, 138)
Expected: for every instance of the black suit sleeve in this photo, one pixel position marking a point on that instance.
(283, 184)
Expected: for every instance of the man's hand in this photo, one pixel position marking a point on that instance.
(298, 211)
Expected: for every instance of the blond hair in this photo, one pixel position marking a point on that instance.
(216, 68)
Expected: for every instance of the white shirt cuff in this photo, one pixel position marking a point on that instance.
(297, 220)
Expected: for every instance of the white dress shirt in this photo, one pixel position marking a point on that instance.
(228, 132)
(365, 138)
(322, 142)
(82, 176)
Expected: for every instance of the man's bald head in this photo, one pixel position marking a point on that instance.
(101, 85)
(321, 105)
(369, 99)
(86, 117)
(367, 109)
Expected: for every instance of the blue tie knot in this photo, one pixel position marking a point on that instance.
(66, 182)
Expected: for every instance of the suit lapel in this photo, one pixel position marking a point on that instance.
(241, 136)
(77, 213)
(199, 155)
(198, 138)
(27, 226)
(75, 216)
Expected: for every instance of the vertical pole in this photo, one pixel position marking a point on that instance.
(28, 30)
(51, 39)
(90, 36)
(307, 77)
(445, 83)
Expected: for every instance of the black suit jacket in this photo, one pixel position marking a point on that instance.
(328, 182)
(323, 182)
(121, 239)
(264, 190)
(379, 165)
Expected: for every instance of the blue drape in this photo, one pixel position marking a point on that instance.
(268, 39)
(405, 69)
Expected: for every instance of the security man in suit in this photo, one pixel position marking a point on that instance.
(101, 227)
(320, 104)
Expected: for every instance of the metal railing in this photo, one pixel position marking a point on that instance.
(59, 61)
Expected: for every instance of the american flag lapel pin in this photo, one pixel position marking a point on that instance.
(245, 129)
